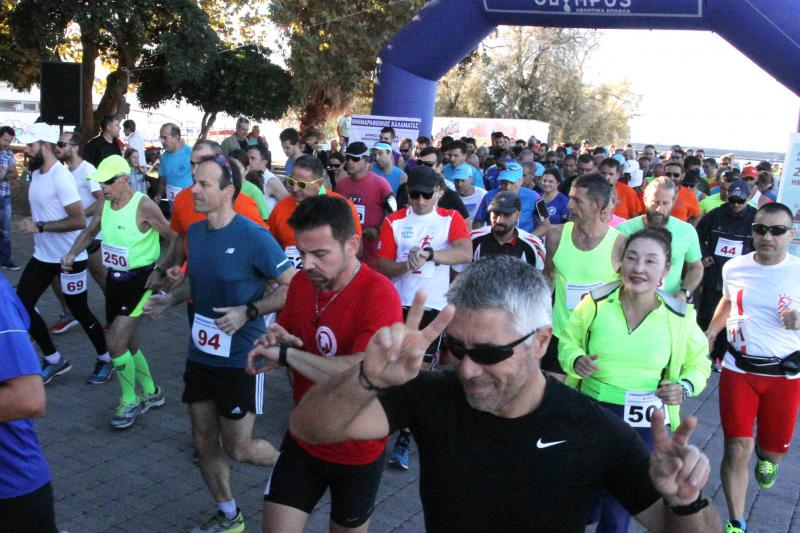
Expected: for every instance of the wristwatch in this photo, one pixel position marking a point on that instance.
(40, 225)
(430, 251)
(687, 293)
(252, 311)
(685, 510)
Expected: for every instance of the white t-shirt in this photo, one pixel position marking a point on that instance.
(757, 292)
(271, 200)
(86, 187)
(48, 194)
(135, 141)
(473, 201)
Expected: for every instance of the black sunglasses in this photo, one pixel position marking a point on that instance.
(672, 174)
(62, 144)
(335, 166)
(482, 354)
(737, 200)
(778, 229)
(353, 158)
(426, 163)
(414, 195)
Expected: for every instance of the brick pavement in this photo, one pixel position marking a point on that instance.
(143, 479)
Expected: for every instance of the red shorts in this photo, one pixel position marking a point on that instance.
(774, 401)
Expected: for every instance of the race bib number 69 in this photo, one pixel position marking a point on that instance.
(72, 284)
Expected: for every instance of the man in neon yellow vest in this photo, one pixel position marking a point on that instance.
(582, 254)
(131, 224)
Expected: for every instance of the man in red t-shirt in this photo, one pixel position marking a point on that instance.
(628, 203)
(333, 307)
(372, 196)
(687, 207)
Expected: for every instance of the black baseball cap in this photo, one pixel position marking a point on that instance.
(505, 202)
(357, 149)
(422, 178)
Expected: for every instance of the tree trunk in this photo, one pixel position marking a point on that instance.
(205, 125)
(88, 127)
(113, 101)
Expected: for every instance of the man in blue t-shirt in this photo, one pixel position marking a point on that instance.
(510, 179)
(231, 261)
(174, 168)
(457, 156)
(26, 496)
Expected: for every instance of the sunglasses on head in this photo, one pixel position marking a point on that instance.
(223, 163)
(301, 184)
(415, 195)
(737, 200)
(672, 174)
(426, 163)
(778, 229)
(482, 354)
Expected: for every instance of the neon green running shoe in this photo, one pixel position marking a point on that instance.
(730, 527)
(766, 473)
(219, 524)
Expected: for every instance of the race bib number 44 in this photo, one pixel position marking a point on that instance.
(639, 408)
(208, 338)
(115, 257)
(728, 248)
(73, 283)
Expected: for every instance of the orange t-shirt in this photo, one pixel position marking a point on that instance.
(686, 204)
(279, 219)
(184, 215)
(628, 203)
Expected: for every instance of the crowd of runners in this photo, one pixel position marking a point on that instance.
(532, 316)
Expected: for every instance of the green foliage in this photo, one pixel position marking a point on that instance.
(333, 46)
(536, 73)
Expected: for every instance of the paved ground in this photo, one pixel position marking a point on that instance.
(143, 479)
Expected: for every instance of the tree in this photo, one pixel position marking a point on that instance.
(120, 33)
(536, 73)
(240, 81)
(333, 48)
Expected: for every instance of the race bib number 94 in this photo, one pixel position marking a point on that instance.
(639, 408)
(73, 283)
(208, 338)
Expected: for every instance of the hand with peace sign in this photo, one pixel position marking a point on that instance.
(678, 470)
(394, 353)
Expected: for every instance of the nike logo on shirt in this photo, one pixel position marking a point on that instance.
(541, 445)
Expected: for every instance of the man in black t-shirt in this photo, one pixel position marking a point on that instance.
(505, 449)
(105, 144)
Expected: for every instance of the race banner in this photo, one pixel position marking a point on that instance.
(482, 128)
(367, 128)
(789, 189)
(609, 8)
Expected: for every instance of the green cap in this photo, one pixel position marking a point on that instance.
(111, 167)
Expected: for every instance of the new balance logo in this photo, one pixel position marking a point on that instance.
(230, 250)
(236, 410)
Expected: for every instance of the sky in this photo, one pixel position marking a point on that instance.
(726, 101)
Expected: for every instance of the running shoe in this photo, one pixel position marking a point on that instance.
(219, 524)
(102, 373)
(734, 526)
(49, 371)
(399, 458)
(9, 265)
(125, 415)
(64, 323)
(150, 401)
(766, 473)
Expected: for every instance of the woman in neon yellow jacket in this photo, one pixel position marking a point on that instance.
(634, 349)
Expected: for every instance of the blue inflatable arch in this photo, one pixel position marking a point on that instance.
(444, 31)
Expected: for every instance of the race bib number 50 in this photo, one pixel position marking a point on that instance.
(208, 338)
(639, 408)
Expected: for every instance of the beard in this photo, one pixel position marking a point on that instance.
(36, 161)
(501, 230)
(655, 219)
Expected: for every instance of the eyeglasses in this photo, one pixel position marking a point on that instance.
(353, 158)
(483, 354)
(737, 200)
(778, 229)
(672, 174)
(301, 184)
(426, 163)
(414, 195)
(62, 144)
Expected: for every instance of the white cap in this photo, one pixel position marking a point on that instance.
(40, 132)
(637, 176)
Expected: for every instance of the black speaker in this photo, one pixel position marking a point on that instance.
(60, 101)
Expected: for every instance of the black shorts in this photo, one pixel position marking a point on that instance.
(124, 290)
(95, 246)
(550, 360)
(299, 480)
(29, 513)
(233, 390)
